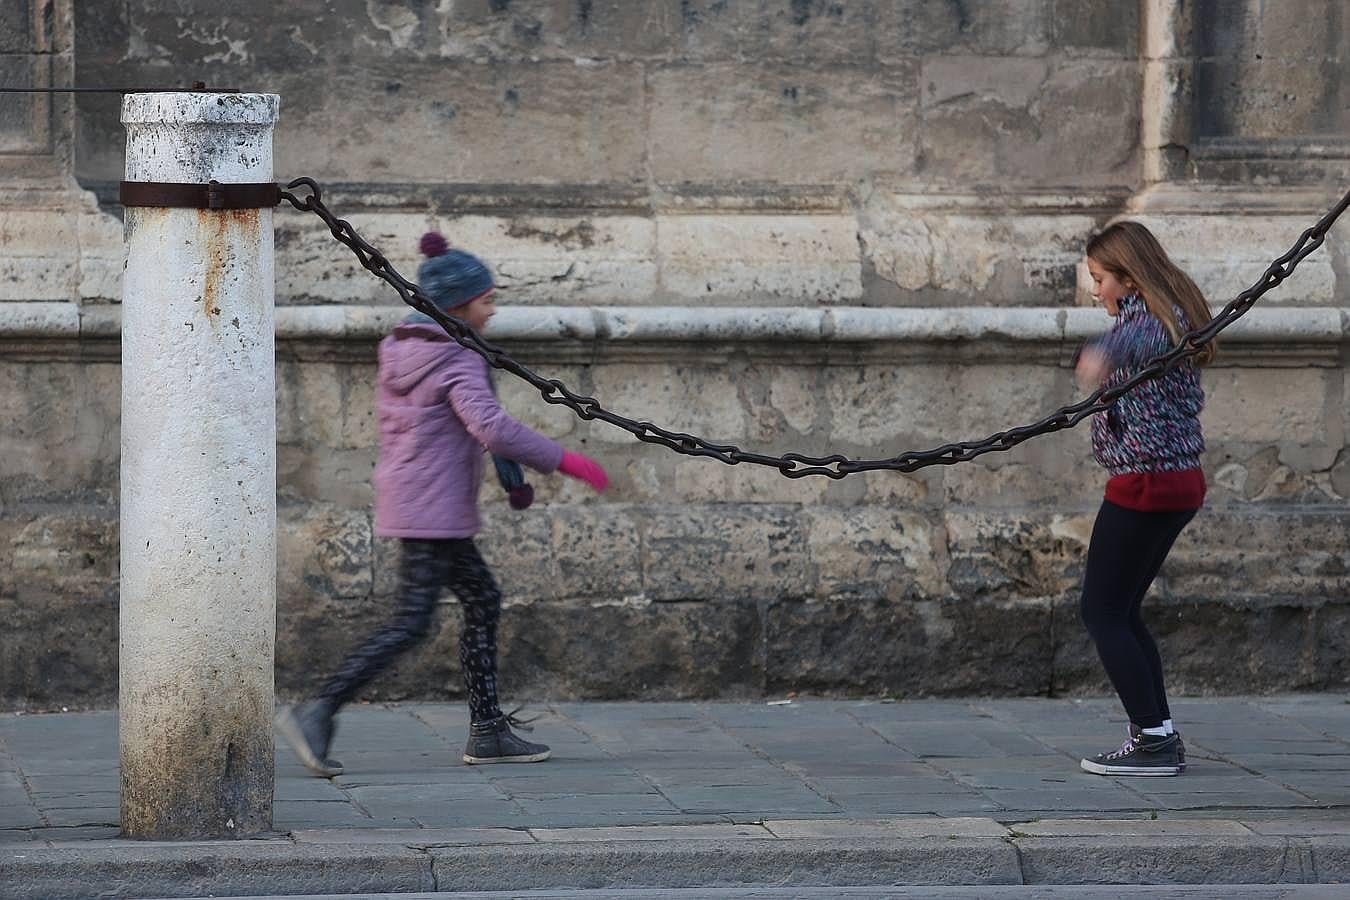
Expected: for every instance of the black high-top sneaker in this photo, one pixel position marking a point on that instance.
(493, 741)
(309, 727)
(1147, 754)
(1135, 731)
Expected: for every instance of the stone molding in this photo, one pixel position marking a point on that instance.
(1289, 335)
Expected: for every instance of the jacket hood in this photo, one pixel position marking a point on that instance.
(411, 353)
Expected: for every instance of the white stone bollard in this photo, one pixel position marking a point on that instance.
(198, 605)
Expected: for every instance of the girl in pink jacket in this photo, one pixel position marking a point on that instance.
(437, 415)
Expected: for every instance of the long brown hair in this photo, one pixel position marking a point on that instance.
(1130, 252)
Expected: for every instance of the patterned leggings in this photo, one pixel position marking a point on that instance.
(426, 567)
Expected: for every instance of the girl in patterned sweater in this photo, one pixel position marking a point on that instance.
(1150, 443)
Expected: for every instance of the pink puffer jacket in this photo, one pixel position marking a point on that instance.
(437, 414)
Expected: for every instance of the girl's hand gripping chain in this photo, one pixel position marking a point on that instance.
(583, 468)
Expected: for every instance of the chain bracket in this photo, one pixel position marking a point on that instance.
(212, 195)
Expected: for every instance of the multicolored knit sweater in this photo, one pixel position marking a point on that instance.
(1156, 426)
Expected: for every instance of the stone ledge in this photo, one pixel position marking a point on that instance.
(672, 860)
(1305, 325)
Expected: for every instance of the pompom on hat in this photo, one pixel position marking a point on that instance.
(449, 277)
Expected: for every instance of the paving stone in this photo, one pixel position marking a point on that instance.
(76, 800)
(716, 831)
(927, 826)
(43, 784)
(848, 787)
(1295, 762)
(104, 815)
(413, 837)
(915, 804)
(1060, 779)
(1236, 800)
(19, 817)
(1070, 799)
(1299, 826)
(395, 795)
(1143, 827)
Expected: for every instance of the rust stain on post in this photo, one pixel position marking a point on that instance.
(228, 232)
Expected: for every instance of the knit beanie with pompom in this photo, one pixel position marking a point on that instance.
(449, 277)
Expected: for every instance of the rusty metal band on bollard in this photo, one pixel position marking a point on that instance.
(212, 195)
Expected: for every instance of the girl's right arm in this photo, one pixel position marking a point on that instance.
(1131, 344)
(470, 394)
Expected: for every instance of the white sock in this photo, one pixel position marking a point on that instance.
(1160, 731)
(1167, 723)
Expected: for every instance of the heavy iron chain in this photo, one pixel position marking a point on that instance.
(798, 465)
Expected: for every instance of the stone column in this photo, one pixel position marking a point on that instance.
(1165, 120)
(198, 603)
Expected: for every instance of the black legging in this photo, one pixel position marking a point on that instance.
(1127, 550)
(425, 568)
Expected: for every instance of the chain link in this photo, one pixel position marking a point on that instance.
(798, 465)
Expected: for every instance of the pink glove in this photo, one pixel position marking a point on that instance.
(575, 465)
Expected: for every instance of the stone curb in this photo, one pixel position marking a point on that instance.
(1319, 325)
(900, 852)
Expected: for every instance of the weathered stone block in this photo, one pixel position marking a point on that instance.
(759, 259)
(1222, 269)
(1020, 27)
(1055, 471)
(25, 278)
(911, 407)
(700, 399)
(340, 477)
(1236, 474)
(1032, 555)
(1013, 82)
(875, 554)
(1266, 406)
(809, 31)
(564, 553)
(656, 651)
(541, 29)
(1022, 259)
(61, 435)
(909, 648)
(73, 551)
(535, 259)
(559, 121)
(523, 401)
(798, 125)
(323, 551)
(1098, 143)
(1276, 98)
(330, 405)
(708, 481)
(1281, 646)
(58, 647)
(58, 599)
(711, 552)
(1279, 555)
(1095, 26)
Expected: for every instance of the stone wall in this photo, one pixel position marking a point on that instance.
(817, 226)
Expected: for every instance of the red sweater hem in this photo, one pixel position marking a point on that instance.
(1158, 491)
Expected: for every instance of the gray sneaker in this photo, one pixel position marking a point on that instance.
(1135, 731)
(309, 728)
(1147, 754)
(493, 741)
